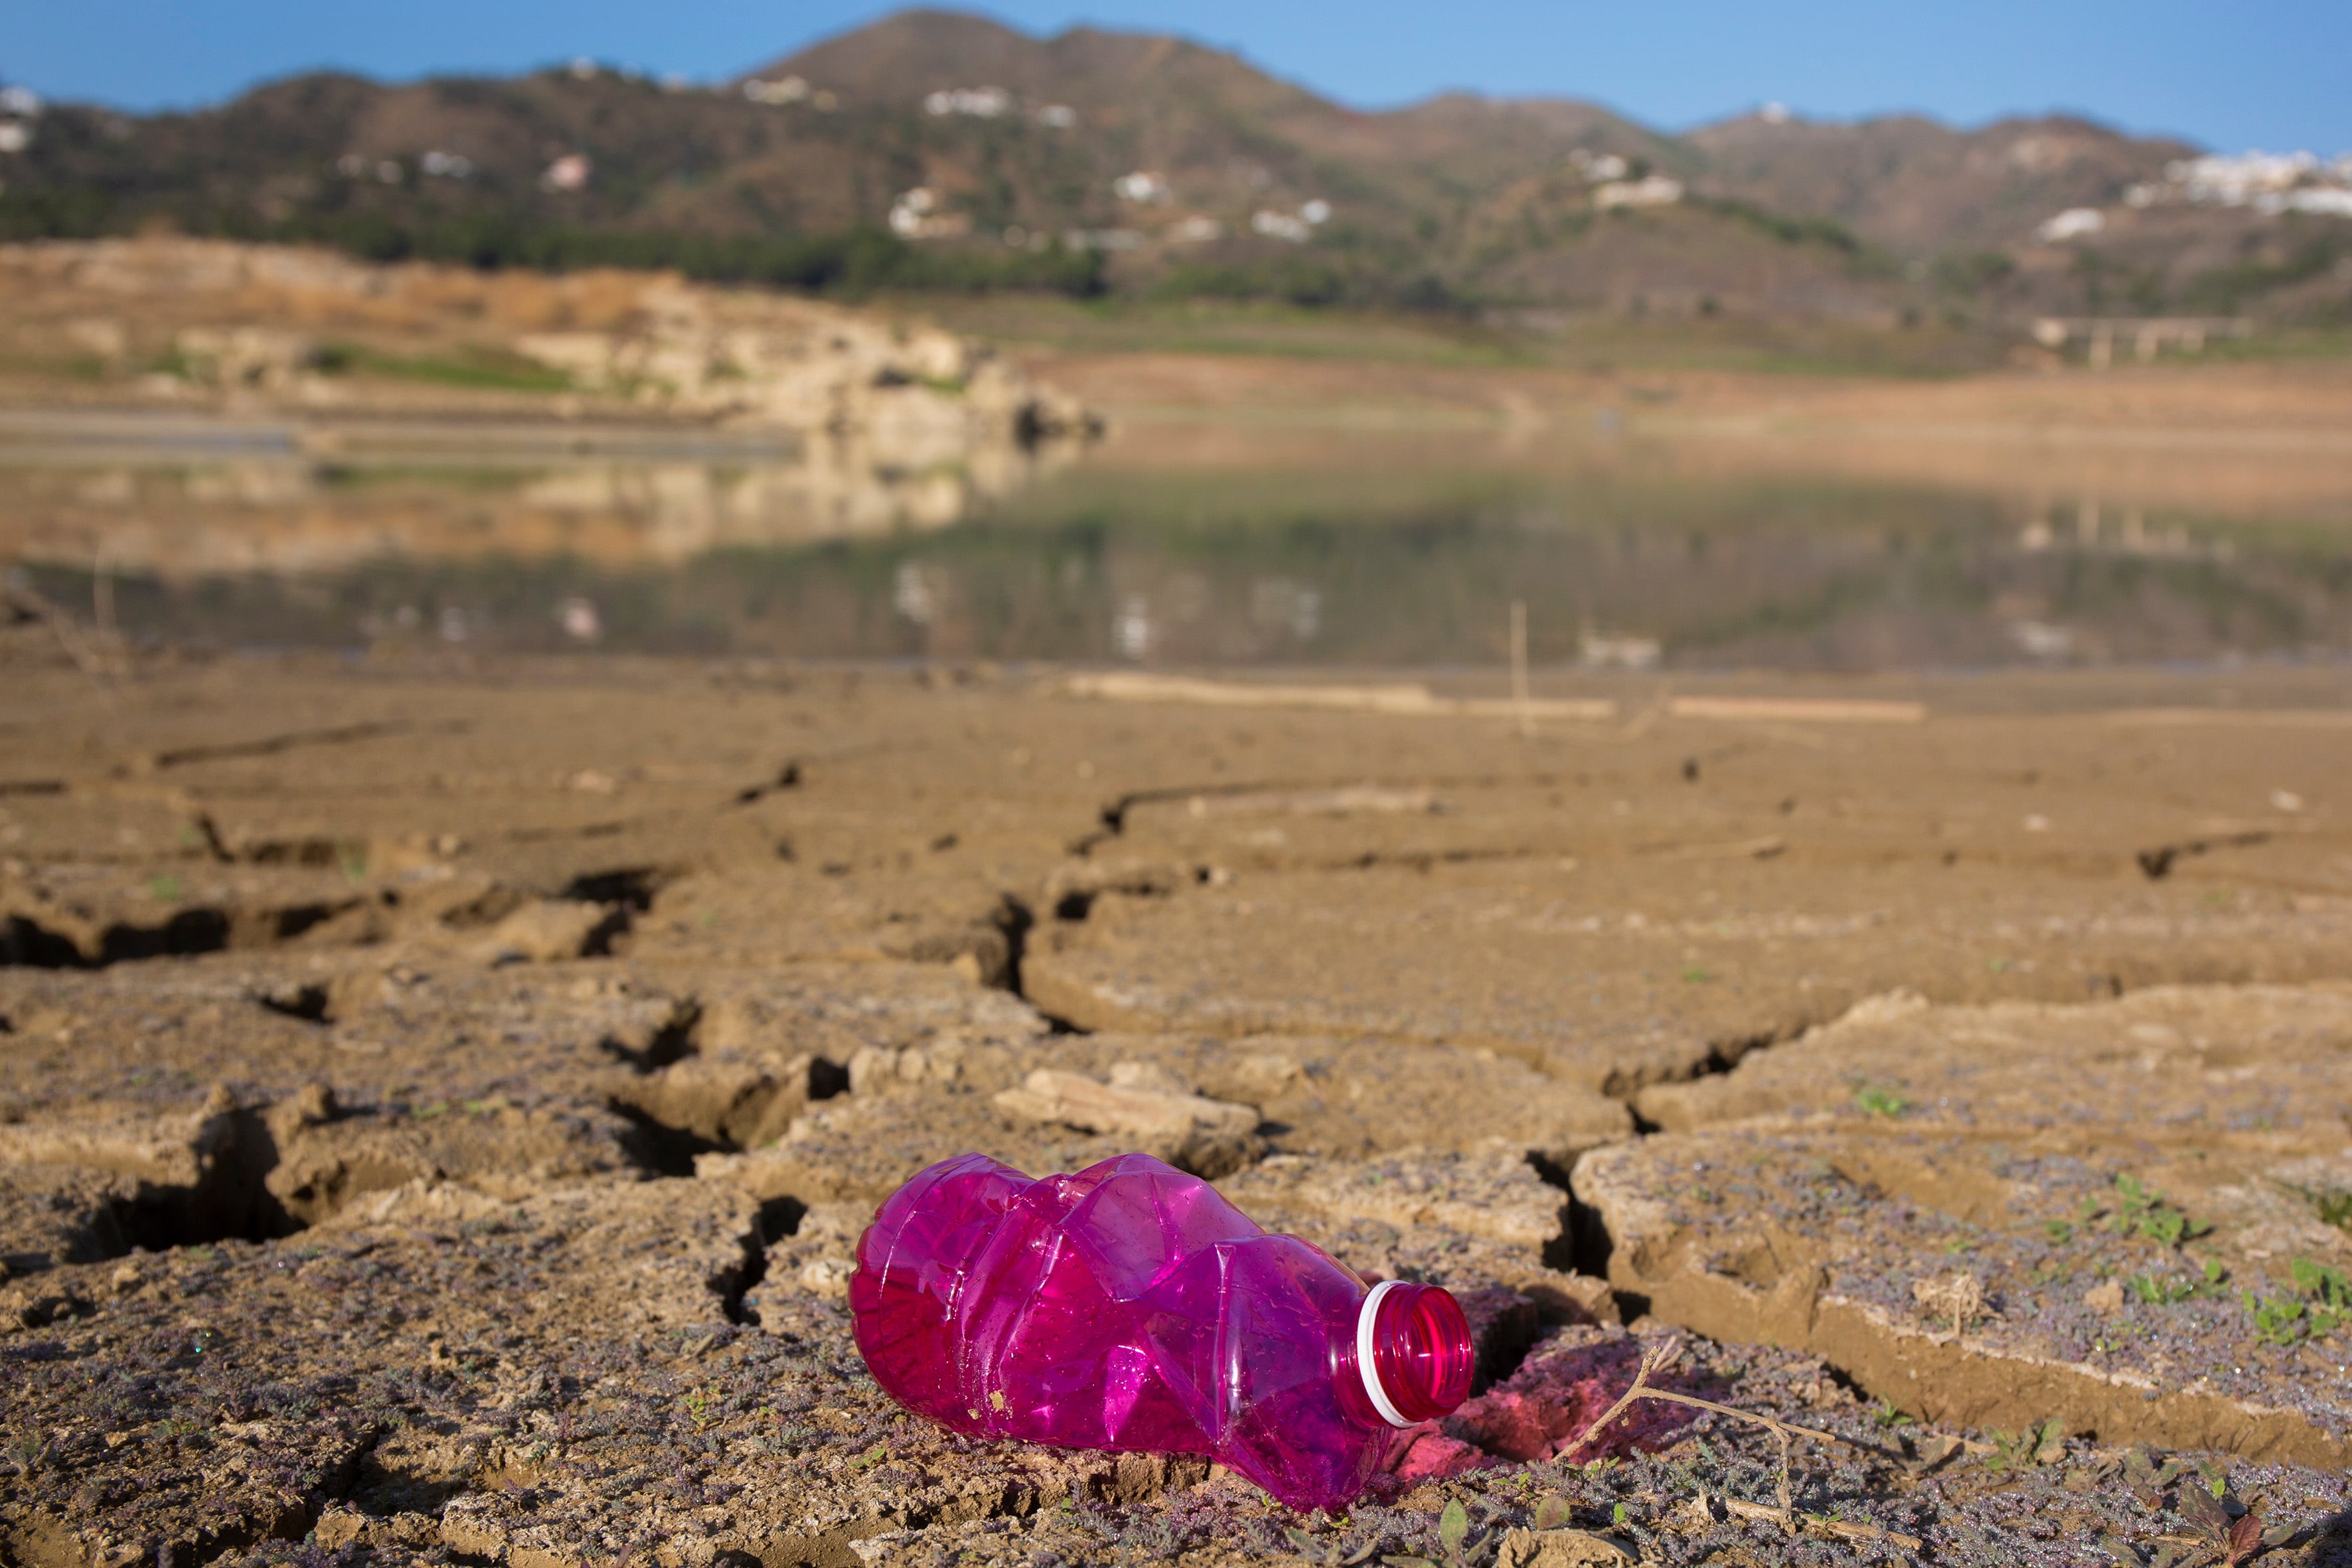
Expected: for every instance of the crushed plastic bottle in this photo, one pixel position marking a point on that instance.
(1129, 1307)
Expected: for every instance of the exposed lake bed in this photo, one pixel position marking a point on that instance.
(497, 880)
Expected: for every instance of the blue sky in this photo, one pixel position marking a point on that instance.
(2269, 73)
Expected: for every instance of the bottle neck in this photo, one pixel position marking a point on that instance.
(1412, 1351)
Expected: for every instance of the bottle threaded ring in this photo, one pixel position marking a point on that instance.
(1414, 1351)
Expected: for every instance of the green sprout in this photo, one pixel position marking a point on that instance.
(2137, 1211)
(1879, 1100)
(2325, 1306)
(2160, 1292)
(2042, 1443)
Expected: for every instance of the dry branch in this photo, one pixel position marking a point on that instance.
(1660, 1357)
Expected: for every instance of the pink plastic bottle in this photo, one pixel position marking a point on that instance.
(1131, 1307)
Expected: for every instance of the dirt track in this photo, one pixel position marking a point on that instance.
(436, 1101)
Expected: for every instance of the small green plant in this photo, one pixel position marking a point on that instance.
(2136, 1211)
(701, 1409)
(1696, 976)
(1881, 1101)
(1453, 1528)
(1462, 1549)
(1887, 1417)
(2318, 1281)
(2208, 1509)
(2060, 1232)
(2168, 1293)
(166, 888)
(2324, 1306)
(2042, 1443)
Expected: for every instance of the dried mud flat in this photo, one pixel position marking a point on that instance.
(436, 1106)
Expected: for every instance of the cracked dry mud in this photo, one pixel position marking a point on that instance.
(438, 1106)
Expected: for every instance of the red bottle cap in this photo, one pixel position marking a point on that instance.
(1414, 1347)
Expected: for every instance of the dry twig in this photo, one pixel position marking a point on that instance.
(29, 603)
(1959, 1295)
(1659, 1358)
(1849, 1529)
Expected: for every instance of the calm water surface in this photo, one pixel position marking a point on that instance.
(1626, 555)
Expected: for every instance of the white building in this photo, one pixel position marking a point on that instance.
(2267, 182)
(570, 172)
(918, 214)
(2071, 224)
(790, 89)
(984, 102)
(1649, 191)
(1598, 167)
(913, 212)
(1143, 187)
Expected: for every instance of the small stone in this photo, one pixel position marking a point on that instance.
(1148, 1077)
(548, 930)
(315, 1104)
(1208, 1137)
(1559, 1549)
(340, 1527)
(827, 1277)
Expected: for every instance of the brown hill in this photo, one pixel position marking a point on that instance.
(1920, 187)
(940, 150)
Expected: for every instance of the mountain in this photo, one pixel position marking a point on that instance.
(940, 150)
(1921, 188)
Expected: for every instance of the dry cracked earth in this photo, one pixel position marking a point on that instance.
(437, 1104)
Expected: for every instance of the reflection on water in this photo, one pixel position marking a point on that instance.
(1624, 560)
(285, 512)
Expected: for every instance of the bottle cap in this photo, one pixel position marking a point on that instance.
(1413, 1349)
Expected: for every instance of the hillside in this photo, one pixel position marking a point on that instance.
(940, 150)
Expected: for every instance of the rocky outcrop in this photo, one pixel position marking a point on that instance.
(214, 317)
